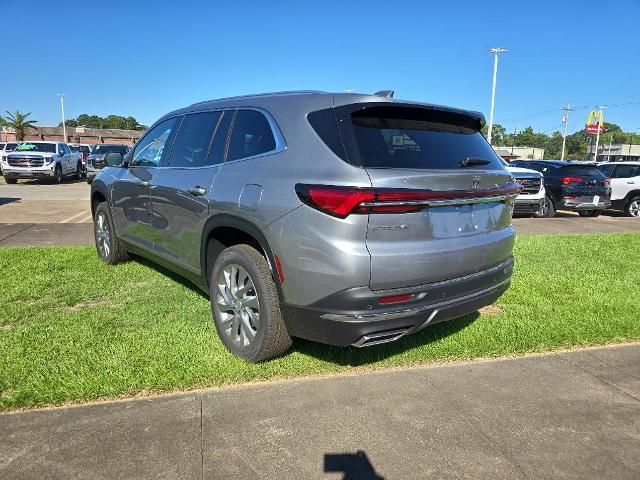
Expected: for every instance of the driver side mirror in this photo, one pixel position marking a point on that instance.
(114, 159)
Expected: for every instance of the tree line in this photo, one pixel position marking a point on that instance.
(577, 143)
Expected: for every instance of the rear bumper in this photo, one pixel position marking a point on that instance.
(585, 202)
(355, 316)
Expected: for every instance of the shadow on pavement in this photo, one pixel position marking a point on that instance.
(6, 200)
(353, 465)
(353, 356)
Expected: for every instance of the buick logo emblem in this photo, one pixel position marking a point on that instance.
(475, 182)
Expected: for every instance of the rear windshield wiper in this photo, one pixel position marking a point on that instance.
(471, 161)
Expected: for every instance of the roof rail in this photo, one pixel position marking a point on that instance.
(286, 92)
(385, 93)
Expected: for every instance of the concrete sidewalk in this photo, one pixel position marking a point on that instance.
(566, 415)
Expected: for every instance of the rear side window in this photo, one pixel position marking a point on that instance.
(251, 135)
(412, 138)
(606, 169)
(191, 145)
(216, 154)
(627, 171)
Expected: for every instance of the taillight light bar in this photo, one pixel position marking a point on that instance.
(568, 180)
(342, 201)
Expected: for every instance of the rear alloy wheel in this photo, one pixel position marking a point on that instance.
(11, 181)
(633, 207)
(109, 248)
(245, 305)
(546, 210)
(57, 174)
(589, 213)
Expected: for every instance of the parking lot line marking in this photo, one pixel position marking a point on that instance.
(87, 219)
(73, 217)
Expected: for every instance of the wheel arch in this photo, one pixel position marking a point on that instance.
(630, 195)
(222, 231)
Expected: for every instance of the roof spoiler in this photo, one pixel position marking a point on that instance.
(385, 93)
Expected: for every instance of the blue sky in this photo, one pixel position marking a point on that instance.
(145, 58)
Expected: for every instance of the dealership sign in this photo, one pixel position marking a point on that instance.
(595, 122)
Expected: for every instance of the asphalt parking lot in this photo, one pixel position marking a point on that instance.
(34, 213)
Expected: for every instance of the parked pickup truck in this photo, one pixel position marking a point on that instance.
(46, 160)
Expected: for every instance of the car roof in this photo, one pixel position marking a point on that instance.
(624, 162)
(266, 100)
(38, 141)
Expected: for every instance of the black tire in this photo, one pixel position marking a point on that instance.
(57, 174)
(11, 181)
(271, 338)
(547, 210)
(632, 208)
(89, 179)
(78, 174)
(589, 213)
(115, 253)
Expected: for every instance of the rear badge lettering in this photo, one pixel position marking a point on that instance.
(391, 227)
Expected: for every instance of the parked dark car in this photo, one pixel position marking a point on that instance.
(96, 159)
(574, 186)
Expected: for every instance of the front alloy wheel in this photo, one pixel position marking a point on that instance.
(107, 244)
(103, 236)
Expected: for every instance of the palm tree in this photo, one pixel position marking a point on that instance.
(18, 121)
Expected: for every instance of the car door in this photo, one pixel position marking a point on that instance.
(182, 189)
(131, 187)
(625, 178)
(68, 159)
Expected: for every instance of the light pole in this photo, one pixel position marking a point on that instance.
(64, 127)
(565, 122)
(495, 52)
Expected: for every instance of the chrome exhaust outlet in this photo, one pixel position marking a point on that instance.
(378, 338)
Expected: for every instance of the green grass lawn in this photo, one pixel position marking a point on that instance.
(74, 329)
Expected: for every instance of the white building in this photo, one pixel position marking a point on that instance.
(619, 152)
(520, 153)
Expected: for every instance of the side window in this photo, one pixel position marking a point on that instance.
(60, 149)
(192, 142)
(216, 154)
(150, 149)
(251, 135)
(626, 171)
(65, 149)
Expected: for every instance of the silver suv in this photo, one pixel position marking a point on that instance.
(341, 218)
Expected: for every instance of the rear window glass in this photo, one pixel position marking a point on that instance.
(387, 137)
(584, 171)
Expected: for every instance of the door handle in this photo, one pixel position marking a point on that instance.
(196, 191)
(631, 182)
(143, 184)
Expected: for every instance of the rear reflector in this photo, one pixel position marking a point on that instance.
(395, 298)
(342, 201)
(276, 259)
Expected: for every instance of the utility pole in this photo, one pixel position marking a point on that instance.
(565, 122)
(64, 127)
(513, 140)
(601, 119)
(495, 52)
(609, 151)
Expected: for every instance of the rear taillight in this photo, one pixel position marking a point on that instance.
(343, 201)
(568, 180)
(607, 182)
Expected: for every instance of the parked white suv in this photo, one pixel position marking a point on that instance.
(625, 186)
(37, 159)
(531, 200)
